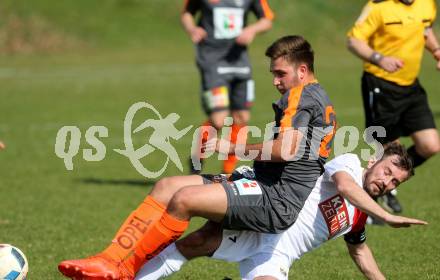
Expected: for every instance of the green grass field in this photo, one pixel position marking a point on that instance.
(106, 55)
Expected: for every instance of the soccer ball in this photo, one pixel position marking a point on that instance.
(13, 263)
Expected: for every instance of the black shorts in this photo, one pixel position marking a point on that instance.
(253, 205)
(401, 110)
(225, 91)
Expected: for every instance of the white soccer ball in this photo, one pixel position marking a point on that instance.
(13, 263)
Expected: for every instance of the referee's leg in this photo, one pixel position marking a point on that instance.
(426, 144)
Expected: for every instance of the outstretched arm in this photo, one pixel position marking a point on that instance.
(433, 45)
(350, 190)
(283, 148)
(364, 259)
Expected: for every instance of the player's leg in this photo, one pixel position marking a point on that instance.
(383, 108)
(209, 202)
(246, 208)
(215, 102)
(265, 266)
(241, 204)
(419, 123)
(426, 144)
(147, 214)
(242, 97)
(135, 226)
(202, 242)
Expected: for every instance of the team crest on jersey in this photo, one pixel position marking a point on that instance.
(228, 22)
(247, 187)
(334, 211)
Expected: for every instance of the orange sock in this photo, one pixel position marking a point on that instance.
(231, 161)
(164, 232)
(134, 228)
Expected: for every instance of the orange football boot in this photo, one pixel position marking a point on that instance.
(99, 267)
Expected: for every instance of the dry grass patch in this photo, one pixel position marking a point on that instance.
(34, 35)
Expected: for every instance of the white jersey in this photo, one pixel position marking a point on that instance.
(325, 215)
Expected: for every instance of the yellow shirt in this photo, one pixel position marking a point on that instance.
(395, 29)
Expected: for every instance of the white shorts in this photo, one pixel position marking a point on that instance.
(255, 253)
(264, 264)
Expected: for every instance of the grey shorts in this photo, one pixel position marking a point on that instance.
(253, 205)
(225, 91)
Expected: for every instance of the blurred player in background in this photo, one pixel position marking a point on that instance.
(331, 210)
(390, 37)
(221, 37)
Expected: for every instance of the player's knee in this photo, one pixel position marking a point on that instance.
(217, 123)
(181, 203)
(163, 189)
(161, 185)
(241, 118)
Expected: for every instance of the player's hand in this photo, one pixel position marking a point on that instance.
(246, 37)
(400, 221)
(221, 146)
(2, 145)
(197, 34)
(438, 65)
(390, 64)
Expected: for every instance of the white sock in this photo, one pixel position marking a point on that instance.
(166, 263)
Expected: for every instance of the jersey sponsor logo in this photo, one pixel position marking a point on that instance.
(233, 239)
(132, 232)
(247, 187)
(228, 22)
(334, 211)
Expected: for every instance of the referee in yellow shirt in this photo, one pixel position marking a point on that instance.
(389, 36)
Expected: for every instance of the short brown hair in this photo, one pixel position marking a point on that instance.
(404, 159)
(294, 49)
